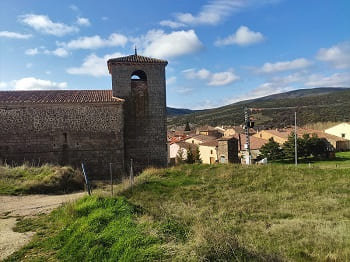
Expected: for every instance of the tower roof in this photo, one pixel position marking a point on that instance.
(139, 59)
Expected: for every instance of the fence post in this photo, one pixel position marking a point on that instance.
(131, 173)
(111, 175)
(86, 180)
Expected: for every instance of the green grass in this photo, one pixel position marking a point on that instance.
(205, 213)
(35, 180)
(92, 229)
(341, 160)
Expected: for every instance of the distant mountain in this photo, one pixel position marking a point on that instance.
(179, 111)
(313, 105)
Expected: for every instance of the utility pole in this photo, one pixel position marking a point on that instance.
(295, 138)
(247, 143)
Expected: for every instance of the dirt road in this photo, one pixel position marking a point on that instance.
(12, 207)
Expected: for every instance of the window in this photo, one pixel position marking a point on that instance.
(343, 135)
(211, 152)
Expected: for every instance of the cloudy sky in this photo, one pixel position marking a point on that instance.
(219, 51)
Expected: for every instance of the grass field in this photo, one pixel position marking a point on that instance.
(204, 213)
(27, 179)
(341, 160)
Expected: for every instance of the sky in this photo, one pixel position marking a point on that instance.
(219, 51)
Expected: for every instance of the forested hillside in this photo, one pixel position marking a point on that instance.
(312, 105)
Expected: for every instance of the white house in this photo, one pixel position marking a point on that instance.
(342, 130)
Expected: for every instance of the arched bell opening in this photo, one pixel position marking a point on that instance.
(139, 93)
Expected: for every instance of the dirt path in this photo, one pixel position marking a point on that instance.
(24, 206)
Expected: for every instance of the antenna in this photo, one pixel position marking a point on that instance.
(135, 50)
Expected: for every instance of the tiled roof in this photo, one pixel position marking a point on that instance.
(284, 133)
(202, 138)
(57, 97)
(185, 145)
(137, 59)
(255, 142)
(212, 143)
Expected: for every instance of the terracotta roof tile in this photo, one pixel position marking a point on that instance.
(212, 143)
(57, 97)
(255, 142)
(137, 59)
(203, 138)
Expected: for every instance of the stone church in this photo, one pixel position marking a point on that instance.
(94, 127)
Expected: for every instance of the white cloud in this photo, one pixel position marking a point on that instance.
(222, 78)
(171, 24)
(171, 80)
(14, 35)
(94, 42)
(3, 85)
(299, 63)
(215, 11)
(32, 83)
(74, 8)
(44, 24)
(158, 44)
(202, 74)
(243, 36)
(338, 55)
(213, 79)
(83, 21)
(61, 52)
(183, 90)
(32, 51)
(334, 80)
(29, 65)
(93, 65)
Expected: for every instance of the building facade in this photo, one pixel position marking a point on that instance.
(94, 127)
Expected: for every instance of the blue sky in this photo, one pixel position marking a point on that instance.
(219, 51)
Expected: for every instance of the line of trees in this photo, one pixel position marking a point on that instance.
(306, 146)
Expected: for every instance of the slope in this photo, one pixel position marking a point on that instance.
(312, 105)
(205, 213)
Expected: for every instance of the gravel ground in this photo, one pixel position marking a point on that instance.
(12, 207)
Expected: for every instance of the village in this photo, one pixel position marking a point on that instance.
(228, 144)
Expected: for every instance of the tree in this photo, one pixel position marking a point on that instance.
(307, 146)
(197, 155)
(319, 147)
(272, 150)
(289, 147)
(190, 156)
(180, 156)
(187, 128)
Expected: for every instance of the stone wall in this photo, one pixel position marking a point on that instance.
(145, 132)
(65, 134)
(228, 150)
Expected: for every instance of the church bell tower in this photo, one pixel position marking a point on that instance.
(140, 81)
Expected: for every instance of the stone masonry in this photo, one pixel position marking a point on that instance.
(145, 108)
(96, 127)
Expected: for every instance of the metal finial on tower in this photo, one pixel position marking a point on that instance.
(135, 50)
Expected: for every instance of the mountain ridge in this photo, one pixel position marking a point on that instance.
(313, 105)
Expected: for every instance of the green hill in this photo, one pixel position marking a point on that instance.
(204, 213)
(312, 105)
